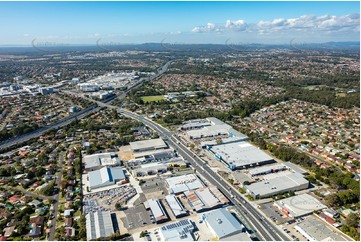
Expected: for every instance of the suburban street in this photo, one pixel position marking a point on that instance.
(56, 198)
(61, 123)
(263, 228)
(23, 138)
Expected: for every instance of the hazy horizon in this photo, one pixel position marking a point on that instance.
(118, 23)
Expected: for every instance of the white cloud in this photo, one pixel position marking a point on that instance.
(237, 24)
(326, 23)
(211, 26)
(312, 23)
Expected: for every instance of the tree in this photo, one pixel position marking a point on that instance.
(118, 206)
(333, 200)
(143, 233)
(352, 220)
(49, 189)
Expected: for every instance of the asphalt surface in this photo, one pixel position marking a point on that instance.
(61, 123)
(56, 198)
(263, 229)
(23, 138)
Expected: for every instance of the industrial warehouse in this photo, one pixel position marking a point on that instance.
(180, 184)
(300, 205)
(206, 198)
(279, 184)
(96, 161)
(157, 210)
(146, 145)
(224, 226)
(240, 155)
(99, 225)
(106, 176)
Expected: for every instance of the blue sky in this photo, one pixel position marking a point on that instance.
(177, 22)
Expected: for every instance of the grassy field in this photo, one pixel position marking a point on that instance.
(147, 99)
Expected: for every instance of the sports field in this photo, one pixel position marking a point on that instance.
(147, 99)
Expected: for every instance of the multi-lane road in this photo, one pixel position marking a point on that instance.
(61, 123)
(263, 228)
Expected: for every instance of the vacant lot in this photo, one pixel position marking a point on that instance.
(147, 99)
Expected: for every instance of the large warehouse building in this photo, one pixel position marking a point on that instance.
(106, 176)
(206, 198)
(176, 206)
(157, 210)
(180, 184)
(201, 129)
(146, 145)
(96, 161)
(99, 225)
(315, 230)
(277, 185)
(223, 224)
(240, 155)
(300, 205)
(179, 231)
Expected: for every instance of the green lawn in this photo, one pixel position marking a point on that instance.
(147, 99)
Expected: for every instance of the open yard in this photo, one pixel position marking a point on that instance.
(147, 99)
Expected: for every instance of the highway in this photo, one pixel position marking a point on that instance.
(264, 229)
(61, 123)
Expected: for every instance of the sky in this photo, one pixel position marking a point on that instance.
(111, 23)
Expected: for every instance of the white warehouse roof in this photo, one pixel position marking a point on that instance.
(177, 208)
(241, 154)
(102, 159)
(99, 224)
(156, 209)
(279, 184)
(300, 205)
(105, 176)
(152, 144)
(183, 183)
(179, 231)
(222, 223)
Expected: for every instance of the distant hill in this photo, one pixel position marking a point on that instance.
(352, 45)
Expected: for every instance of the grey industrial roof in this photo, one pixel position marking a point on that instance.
(215, 121)
(301, 205)
(277, 184)
(295, 167)
(218, 127)
(224, 141)
(183, 183)
(156, 208)
(99, 224)
(205, 198)
(162, 155)
(223, 223)
(105, 175)
(238, 237)
(175, 205)
(148, 144)
(318, 230)
(266, 169)
(195, 124)
(179, 231)
(96, 159)
(241, 154)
